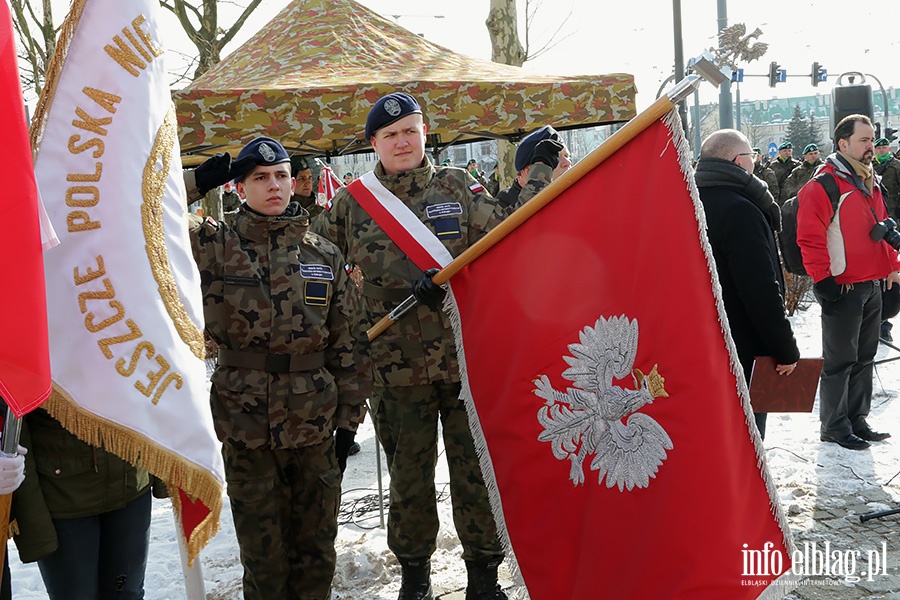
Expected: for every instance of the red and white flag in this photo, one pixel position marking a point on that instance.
(24, 353)
(124, 303)
(613, 421)
(329, 184)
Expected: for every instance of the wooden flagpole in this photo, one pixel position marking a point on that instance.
(631, 129)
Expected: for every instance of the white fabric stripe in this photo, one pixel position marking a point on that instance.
(407, 219)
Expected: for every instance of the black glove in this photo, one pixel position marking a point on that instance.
(240, 168)
(427, 291)
(827, 289)
(547, 152)
(343, 440)
(213, 172)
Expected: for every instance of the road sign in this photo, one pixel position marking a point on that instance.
(772, 149)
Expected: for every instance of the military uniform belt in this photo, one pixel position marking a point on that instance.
(271, 363)
(376, 292)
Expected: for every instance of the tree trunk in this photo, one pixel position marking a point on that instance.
(502, 25)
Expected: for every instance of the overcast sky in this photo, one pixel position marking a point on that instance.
(637, 37)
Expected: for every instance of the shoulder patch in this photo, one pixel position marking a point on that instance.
(476, 187)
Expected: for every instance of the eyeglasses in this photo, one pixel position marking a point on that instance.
(753, 154)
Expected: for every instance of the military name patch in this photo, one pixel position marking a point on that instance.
(316, 272)
(442, 210)
(447, 228)
(315, 293)
(239, 280)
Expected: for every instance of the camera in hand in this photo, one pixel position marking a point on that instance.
(887, 231)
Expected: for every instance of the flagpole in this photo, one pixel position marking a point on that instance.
(12, 428)
(631, 130)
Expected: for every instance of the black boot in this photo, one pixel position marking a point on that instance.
(416, 583)
(483, 579)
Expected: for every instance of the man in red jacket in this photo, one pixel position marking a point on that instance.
(850, 269)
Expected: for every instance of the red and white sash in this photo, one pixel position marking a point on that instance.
(404, 228)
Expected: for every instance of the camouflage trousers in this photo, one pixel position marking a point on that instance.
(285, 504)
(406, 421)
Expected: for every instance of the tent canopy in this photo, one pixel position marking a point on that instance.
(309, 78)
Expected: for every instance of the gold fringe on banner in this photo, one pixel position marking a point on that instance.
(176, 472)
(53, 73)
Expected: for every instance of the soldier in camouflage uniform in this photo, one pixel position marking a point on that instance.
(305, 193)
(888, 167)
(782, 166)
(802, 173)
(416, 374)
(510, 196)
(292, 377)
(762, 171)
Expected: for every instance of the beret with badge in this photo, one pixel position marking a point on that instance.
(390, 109)
(259, 152)
(785, 146)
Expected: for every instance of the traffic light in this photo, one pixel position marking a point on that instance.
(890, 134)
(776, 74)
(818, 74)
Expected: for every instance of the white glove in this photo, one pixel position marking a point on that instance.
(12, 471)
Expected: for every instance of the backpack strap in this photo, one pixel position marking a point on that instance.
(828, 182)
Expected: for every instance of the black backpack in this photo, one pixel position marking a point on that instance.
(787, 239)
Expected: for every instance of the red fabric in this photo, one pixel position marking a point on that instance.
(866, 258)
(328, 185)
(24, 351)
(621, 241)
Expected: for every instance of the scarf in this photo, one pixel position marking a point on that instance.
(718, 172)
(865, 172)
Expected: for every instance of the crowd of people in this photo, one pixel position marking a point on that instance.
(294, 368)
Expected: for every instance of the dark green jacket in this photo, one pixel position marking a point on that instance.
(66, 478)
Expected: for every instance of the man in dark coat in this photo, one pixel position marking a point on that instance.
(741, 220)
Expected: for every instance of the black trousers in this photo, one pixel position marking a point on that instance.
(850, 329)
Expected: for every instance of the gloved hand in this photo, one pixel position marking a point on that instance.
(547, 152)
(12, 471)
(343, 439)
(213, 172)
(219, 170)
(827, 289)
(428, 292)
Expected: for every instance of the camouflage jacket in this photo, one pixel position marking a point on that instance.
(768, 176)
(782, 169)
(798, 178)
(419, 348)
(270, 287)
(310, 204)
(890, 178)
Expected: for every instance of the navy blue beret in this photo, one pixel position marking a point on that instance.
(526, 146)
(390, 109)
(265, 152)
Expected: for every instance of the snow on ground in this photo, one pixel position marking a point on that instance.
(823, 489)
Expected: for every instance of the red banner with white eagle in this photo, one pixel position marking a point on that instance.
(611, 417)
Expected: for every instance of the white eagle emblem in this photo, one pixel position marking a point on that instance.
(266, 152)
(392, 107)
(588, 419)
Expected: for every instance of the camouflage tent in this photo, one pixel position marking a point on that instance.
(309, 77)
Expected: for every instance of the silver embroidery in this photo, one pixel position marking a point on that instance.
(266, 152)
(587, 419)
(392, 107)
